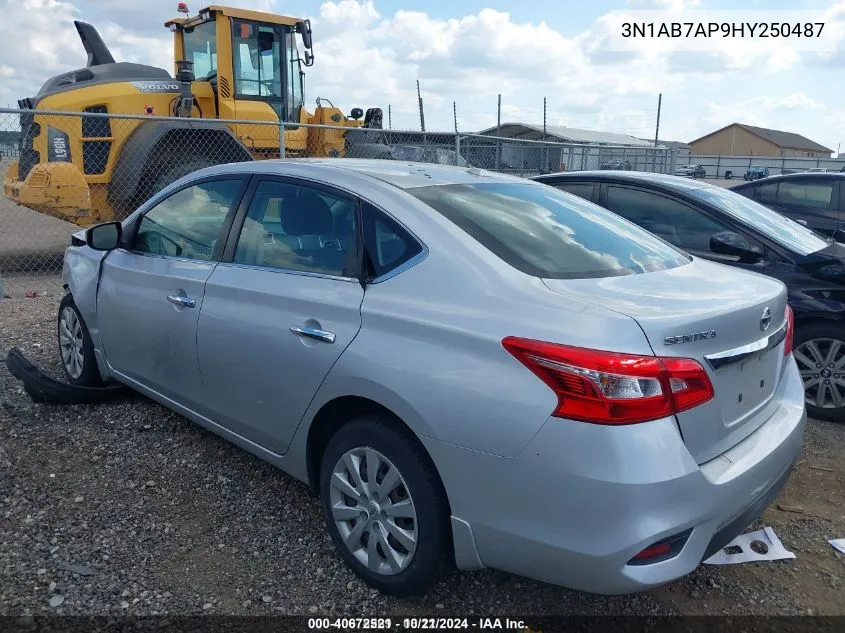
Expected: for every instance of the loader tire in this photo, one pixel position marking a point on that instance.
(173, 172)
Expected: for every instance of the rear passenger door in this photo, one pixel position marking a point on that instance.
(280, 308)
(679, 223)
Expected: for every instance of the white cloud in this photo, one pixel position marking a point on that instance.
(367, 55)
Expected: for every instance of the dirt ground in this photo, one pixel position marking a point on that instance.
(168, 518)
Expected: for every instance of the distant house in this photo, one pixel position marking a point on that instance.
(738, 139)
(681, 148)
(564, 134)
(584, 149)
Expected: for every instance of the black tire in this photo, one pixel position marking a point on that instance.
(821, 334)
(432, 556)
(173, 172)
(89, 373)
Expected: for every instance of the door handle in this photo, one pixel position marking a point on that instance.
(182, 301)
(310, 332)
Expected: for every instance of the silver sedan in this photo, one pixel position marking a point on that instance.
(471, 370)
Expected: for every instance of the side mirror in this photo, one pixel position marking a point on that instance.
(304, 28)
(730, 243)
(104, 237)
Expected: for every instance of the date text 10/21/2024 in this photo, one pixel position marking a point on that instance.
(419, 624)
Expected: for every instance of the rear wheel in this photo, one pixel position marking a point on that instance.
(820, 354)
(384, 506)
(75, 346)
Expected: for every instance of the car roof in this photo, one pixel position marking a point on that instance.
(398, 173)
(816, 175)
(666, 181)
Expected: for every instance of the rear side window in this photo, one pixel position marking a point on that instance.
(546, 233)
(387, 244)
(767, 193)
(580, 189)
(807, 194)
(677, 223)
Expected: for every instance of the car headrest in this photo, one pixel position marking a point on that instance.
(306, 214)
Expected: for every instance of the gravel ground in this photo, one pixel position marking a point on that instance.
(129, 508)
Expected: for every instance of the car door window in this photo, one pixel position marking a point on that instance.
(682, 225)
(299, 228)
(766, 193)
(580, 189)
(806, 194)
(387, 244)
(188, 223)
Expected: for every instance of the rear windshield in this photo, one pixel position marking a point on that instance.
(546, 232)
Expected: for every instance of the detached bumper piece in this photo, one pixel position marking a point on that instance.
(42, 388)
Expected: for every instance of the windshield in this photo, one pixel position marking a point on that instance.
(200, 47)
(777, 227)
(546, 232)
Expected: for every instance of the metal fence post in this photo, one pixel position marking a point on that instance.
(457, 149)
(281, 139)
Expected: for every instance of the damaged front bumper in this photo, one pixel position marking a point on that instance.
(42, 388)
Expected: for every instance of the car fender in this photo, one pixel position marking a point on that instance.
(81, 270)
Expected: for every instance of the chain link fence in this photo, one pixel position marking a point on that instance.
(717, 166)
(64, 171)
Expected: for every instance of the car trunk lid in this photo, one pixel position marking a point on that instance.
(731, 322)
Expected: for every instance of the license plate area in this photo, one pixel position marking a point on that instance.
(744, 386)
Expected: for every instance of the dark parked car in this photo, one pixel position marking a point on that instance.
(756, 172)
(617, 164)
(816, 200)
(714, 223)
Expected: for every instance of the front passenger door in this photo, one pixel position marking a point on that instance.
(151, 290)
(280, 309)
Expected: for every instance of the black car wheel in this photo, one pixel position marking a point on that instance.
(385, 507)
(75, 346)
(820, 354)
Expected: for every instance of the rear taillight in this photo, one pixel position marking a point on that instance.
(790, 330)
(611, 388)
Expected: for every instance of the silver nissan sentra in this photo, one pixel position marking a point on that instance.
(471, 369)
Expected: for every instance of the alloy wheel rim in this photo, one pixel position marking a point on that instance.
(373, 511)
(822, 365)
(71, 342)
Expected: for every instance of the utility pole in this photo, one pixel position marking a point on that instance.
(545, 151)
(422, 112)
(498, 131)
(657, 127)
(656, 131)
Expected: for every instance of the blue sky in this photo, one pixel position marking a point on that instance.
(370, 52)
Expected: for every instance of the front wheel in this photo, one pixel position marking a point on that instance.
(384, 506)
(76, 347)
(820, 354)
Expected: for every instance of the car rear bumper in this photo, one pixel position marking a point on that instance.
(576, 506)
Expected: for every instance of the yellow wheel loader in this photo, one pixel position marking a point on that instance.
(141, 128)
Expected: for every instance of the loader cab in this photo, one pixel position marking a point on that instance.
(250, 58)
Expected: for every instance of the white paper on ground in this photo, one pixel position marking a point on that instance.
(838, 543)
(775, 549)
